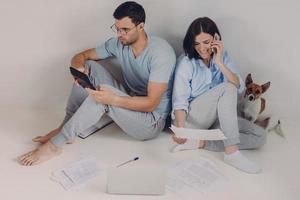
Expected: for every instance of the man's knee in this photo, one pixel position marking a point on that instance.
(144, 137)
(90, 63)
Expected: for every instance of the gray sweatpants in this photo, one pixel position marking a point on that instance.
(217, 108)
(83, 112)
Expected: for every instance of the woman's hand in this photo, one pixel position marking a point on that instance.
(217, 45)
(103, 95)
(180, 116)
(178, 140)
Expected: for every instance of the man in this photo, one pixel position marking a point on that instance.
(147, 64)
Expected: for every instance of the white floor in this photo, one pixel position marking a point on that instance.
(279, 158)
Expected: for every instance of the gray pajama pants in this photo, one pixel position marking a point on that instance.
(217, 108)
(83, 112)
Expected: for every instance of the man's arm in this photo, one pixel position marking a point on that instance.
(143, 103)
(79, 59)
(138, 103)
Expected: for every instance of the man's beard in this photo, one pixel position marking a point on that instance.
(127, 43)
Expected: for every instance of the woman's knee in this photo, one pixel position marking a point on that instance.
(230, 87)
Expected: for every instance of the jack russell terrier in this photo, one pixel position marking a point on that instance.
(252, 103)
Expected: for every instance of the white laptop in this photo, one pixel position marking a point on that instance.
(138, 180)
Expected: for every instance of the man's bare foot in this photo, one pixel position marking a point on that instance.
(41, 154)
(51, 134)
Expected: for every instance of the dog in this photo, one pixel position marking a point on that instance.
(253, 104)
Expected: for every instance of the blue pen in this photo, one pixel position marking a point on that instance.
(136, 158)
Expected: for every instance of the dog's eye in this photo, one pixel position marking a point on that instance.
(250, 90)
(257, 92)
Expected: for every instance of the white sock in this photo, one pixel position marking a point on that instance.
(188, 145)
(242, 163)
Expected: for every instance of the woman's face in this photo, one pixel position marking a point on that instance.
(203, 45)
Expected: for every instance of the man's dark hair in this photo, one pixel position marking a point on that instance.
(132, 10)
(199, 25)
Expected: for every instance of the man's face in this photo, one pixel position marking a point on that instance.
(127, 31)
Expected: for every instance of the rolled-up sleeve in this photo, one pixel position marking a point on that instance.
(182, 85)
(230, 64)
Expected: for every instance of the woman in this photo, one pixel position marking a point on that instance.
(205, 96)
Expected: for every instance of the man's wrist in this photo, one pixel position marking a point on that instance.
(116, 101)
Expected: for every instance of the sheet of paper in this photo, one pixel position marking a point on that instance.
(78, 173)
(200, 134)
(82, 170)
(190, 178)
(63, 180)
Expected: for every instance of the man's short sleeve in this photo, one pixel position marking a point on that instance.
(162, 65)
(108, 49)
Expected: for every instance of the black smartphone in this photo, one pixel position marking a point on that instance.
(81, 78)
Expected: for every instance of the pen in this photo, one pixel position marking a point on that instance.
(136, 158)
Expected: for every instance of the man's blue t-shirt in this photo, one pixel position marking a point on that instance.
(155, 64)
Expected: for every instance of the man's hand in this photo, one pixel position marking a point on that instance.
(103, 95)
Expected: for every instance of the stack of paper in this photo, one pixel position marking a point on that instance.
(201, 134)
(189, 178)
(78, 173)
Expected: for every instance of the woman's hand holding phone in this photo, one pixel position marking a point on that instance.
(217, 48)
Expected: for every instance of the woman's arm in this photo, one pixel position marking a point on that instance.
(230, 75)
(180, 116)
(180, 122)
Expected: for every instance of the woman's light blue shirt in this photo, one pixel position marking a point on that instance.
(193, 78)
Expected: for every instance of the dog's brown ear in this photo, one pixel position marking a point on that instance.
(265, 86)
(248, 80)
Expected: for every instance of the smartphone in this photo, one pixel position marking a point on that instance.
(216, 37)
(81, 78)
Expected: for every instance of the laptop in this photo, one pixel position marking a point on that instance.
(136, 180)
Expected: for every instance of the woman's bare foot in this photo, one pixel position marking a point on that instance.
(51, 134)
(41, 154)
(47, 137)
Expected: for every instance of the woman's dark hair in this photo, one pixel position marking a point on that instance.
(199, 25)
(132, 10)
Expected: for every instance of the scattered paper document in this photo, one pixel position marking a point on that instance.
(78, 173)
(200, 134)
(188, 179)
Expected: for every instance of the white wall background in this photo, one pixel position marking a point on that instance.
(39, 37)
